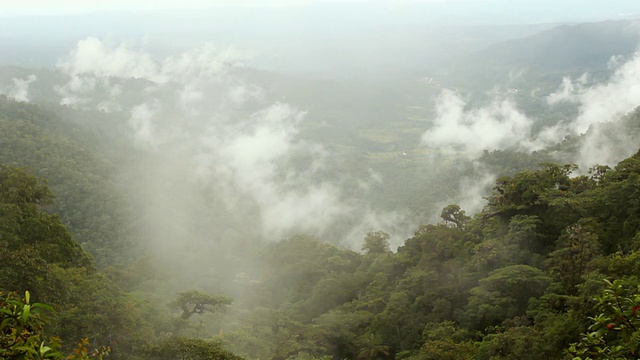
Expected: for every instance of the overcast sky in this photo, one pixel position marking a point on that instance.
(486, 11)
(281, 33)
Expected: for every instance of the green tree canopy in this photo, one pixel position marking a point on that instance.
(196, 302)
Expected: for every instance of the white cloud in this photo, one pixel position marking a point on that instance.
(474, 189)
(142, 124)
(204, 62)
(92, 56)
(618, 96)
(92, 62)
(602, 103)
(242, 93)
(605, 144)
(499, 125)
(250, 158)
(19, 91)
(202, 129)
(566, 92)
(76, 91)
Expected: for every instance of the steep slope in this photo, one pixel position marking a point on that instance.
(79, 173)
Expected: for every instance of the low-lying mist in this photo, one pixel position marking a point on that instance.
(219, 165)
(220, 162)
(465, 131)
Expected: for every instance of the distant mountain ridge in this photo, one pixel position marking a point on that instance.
(560, 51)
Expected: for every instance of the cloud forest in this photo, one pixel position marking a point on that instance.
(319, 180)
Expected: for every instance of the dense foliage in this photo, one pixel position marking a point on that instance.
(21, 332)
(517, 281)
(38, 257)
(79, 170)
(548, 270)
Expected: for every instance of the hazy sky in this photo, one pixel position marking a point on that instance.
(279, 33)
(502, 11)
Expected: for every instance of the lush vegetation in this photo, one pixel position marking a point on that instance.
(517, 281)
(548, 270)
(78, 168)
(39, 258)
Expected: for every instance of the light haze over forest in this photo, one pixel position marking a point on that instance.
(334, 179)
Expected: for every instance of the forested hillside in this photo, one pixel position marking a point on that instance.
(396, 189)
(77, 168)
(516, 281)
(525, 278)
(38, 258)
